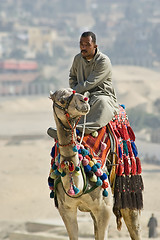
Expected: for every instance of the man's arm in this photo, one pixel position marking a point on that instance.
(73, 76)
(101, 73)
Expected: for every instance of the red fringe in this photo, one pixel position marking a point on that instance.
(125, 133)
(117, 133)
(134, 167)
(138, 163)
(120, 170)
(126, 166)
(131, 133)
(129, 149)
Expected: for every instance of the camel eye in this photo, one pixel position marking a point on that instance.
(62, 101)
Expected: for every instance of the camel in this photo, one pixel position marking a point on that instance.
(68, 107)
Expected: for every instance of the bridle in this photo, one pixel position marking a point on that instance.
(65, 110)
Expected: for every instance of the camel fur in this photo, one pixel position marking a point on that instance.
(74, 105)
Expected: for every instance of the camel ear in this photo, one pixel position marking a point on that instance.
(52, 95)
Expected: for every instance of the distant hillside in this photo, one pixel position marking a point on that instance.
(137, 87)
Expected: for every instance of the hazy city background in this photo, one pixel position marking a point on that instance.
(38, 40)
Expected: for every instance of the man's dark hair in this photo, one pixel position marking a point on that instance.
(87, 34)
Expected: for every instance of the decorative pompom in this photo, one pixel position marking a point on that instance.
(85, 162)
(73, 91)
(87, 168)
(93, 178)
(77, 173)
(84, 152)
(53, 175)
(77, 132)
(91, 163)
(75, 149)
(138, 163)
(98, 165)
(86, 99)
(95, 134)
(134, 148)
(99, 172)
(51, 194)
(103, 146)
(103, 177)
(105, 184)
(94, 168)
(77, 168)
(105, 193)
(80, 157)
(99, 182)
(131, 133)
(126, 166)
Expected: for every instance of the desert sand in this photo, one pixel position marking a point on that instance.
(25, 162)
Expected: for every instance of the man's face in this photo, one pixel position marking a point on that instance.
(87, 47)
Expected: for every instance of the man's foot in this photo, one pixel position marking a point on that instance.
(52, 132)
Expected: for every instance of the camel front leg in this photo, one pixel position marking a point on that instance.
(69, 216)
(131, 218)
(101, 219)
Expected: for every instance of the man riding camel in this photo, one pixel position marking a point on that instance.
(91, 75)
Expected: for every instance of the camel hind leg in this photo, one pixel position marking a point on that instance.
(131, 218)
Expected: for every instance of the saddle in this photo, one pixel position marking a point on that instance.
(114, 146)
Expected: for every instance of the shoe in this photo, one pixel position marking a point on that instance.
(52, 132)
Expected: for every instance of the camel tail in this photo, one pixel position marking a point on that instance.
(118, 215)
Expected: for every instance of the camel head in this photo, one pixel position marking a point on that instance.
(67, 100)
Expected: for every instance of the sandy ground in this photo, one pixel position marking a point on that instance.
(25, 162)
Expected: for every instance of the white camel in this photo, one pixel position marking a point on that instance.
(68, 106)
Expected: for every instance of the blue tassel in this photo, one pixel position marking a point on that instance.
(105, 193)
(103, 177)
(122, 105)
(77, 168)
(54, 167)
(53, 152)
(51, 194)
(119, 151)
(99, 182)
(98, 165)
(75, 149)
(84, 152)
(87, 168)
(76, 190)
(57, 172)
(134, 148)
(94, 168)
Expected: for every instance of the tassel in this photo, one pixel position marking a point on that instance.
(53, 152)
(119, 151)
(120, 132)
(126, 166)
(76, 190)
(51, 194)
(120, 170)
(134, 148)
(105, 193)
(134, 168)
(125, 133)
(125, 148)
(117, 133)
(129, 149)
(71, 191)
(138, 163)
(131, 133)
